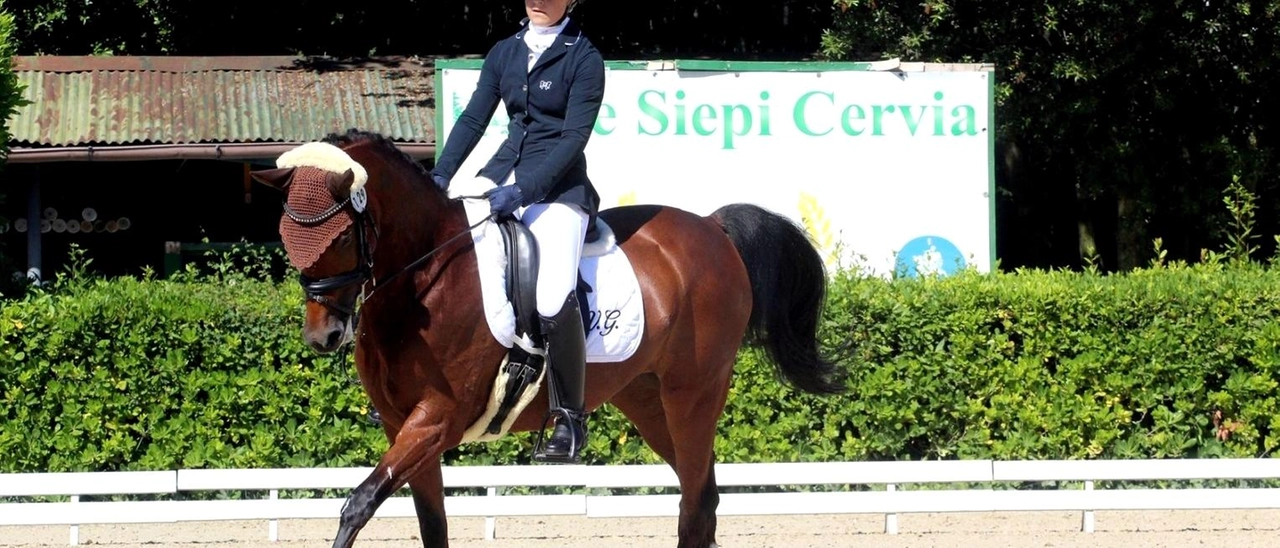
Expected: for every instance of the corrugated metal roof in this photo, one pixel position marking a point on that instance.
(127, 100)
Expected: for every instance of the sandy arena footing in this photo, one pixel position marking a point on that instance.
(1135, 529)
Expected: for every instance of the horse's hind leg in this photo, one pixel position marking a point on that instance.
(428, 501)
(693, 399)
(641, 403)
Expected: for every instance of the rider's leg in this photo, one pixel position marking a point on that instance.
(559, 230)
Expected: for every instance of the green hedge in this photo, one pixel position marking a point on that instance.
(1032, 365)
(151, 374)
(159, 375)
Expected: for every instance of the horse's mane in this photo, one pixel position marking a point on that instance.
(355, 136)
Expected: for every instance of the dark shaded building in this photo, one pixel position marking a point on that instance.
(130, 157)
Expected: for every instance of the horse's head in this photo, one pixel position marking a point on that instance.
(323, 231)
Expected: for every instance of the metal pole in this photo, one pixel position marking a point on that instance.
(266, 152)
(34, 214)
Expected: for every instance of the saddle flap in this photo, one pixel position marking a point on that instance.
(522, 276)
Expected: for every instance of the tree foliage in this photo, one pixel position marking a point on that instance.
(10, 88)
(406, 27)
(1121, 117)
(10, 95)
(1119, 121)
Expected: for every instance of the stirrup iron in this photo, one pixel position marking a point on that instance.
(575, 423)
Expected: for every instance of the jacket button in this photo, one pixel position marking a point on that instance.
(524, 87)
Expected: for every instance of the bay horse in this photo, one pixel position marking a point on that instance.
(741, 275)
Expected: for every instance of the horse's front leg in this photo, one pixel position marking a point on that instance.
(414, 453)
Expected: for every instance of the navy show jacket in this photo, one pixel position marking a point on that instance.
(553, 109)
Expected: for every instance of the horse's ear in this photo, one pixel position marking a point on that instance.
(340, 184)
(275, 178)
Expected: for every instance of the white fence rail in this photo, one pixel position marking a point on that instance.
(891, 492)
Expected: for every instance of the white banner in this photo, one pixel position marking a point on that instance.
(882, 168)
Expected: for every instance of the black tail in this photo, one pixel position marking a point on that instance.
(788, 290)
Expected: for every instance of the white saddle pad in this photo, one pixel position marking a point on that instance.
(615, 309)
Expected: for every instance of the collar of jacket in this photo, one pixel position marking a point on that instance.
(569, 36)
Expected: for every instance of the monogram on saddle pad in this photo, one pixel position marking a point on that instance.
(608, 294)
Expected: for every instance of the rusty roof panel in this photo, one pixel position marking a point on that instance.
(206, 100)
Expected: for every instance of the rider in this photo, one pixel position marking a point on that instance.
(551, 79)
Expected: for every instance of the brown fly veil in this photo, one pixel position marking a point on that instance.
(309, 196)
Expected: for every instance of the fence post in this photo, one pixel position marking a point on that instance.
(891, 520)
(1087, 519)
(273, 527)
(75, 529)
(490, 522)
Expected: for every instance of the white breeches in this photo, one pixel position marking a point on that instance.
(559, 230)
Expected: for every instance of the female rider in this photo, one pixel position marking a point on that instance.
(551, 79)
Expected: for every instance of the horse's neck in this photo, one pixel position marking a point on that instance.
(411, 221)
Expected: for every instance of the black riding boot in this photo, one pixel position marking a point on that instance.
(566, 358)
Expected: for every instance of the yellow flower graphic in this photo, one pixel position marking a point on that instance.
(818, 225)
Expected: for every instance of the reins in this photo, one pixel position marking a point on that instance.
(363, 273)
(418, 262)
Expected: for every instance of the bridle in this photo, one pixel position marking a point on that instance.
(317, 289)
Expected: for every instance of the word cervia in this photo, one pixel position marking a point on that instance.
(814, 114)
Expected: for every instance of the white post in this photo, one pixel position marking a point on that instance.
(1087, 521)
(891, 520)
(490, 522)
(273, 528)
(75, 529)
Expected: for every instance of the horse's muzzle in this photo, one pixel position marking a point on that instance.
(325, 332)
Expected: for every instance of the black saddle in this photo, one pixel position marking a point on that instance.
(522, 276)
(523, 367)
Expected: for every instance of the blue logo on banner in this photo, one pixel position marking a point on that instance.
(928, 256)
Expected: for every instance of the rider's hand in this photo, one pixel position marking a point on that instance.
(504, 199)
(440, 181)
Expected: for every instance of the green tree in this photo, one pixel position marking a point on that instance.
(1119, 121)
(85, 27)
(782, 29)
(10, 95)
(1135, 115)
(10, 88)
